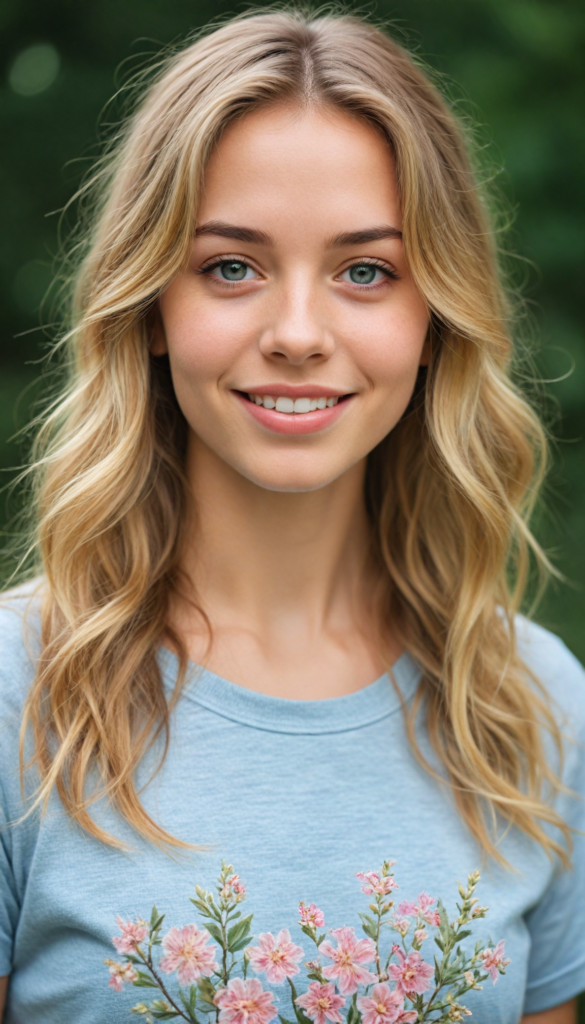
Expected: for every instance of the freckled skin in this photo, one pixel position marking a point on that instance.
(301, 178)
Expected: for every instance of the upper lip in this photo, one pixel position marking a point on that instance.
(295, 391)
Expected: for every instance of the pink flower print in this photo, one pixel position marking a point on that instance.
(407, 908)
(233, 887)
(187, 952)
(382, 1006)
(244, 1002)
(425, 902)
(420, 934)
(322, 1003)
(412, 974)
(133, 932)
(348, 960)
(423, 908)
(374, 883)
(277, 957)
(493, 960)
(311, 915)
(120, 973)
(313, 965)
(400, 924)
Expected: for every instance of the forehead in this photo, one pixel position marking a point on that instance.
(286, 167)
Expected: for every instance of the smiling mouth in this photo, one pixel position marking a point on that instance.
(295, 406)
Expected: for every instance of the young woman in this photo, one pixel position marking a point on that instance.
(291, 454)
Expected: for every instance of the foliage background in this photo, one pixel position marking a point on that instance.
(518, 73)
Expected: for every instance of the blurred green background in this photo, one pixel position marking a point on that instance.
(518, 69)
(519, 72)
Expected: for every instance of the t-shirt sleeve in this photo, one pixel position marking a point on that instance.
(9, 902)
(16, 841)
(556, 968)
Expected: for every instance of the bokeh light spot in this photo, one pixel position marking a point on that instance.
(34, 69)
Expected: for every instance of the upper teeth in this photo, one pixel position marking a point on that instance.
(283, 404)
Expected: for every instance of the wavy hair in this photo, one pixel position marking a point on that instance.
(449, 491)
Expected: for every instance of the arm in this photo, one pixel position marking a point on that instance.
(565, 1014)
(3, 987)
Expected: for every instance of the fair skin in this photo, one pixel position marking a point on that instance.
(281, 518)
(297, 287)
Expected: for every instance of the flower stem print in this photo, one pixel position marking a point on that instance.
(381, 977)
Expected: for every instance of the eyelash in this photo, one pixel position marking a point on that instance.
(391, 274)
(208, 267)
(379, 265)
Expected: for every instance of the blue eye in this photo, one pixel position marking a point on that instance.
(232, 270)
(365, 274)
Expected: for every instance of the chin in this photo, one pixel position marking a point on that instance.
(291, 479)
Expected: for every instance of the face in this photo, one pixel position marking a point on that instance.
(296, 332)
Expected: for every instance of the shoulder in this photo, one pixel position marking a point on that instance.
(555, 667)
(562, 677)
(19, 644)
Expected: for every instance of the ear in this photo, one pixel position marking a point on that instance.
(157, 345)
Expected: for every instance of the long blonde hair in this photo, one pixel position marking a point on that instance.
(449, 491)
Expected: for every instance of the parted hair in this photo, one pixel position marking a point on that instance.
(450, 491)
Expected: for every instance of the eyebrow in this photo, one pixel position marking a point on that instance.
(367, 235)
(255, 237)
(251, 235)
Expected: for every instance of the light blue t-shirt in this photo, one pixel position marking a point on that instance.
(298, 796)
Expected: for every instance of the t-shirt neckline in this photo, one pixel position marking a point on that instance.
(371, 703)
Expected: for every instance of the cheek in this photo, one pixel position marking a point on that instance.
(389, 349)
(203, 338)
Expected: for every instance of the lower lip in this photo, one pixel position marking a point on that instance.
(294, 423)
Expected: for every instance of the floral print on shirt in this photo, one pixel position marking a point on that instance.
(390, 974)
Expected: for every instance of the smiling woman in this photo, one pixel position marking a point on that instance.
(282, 540)
(306, 313)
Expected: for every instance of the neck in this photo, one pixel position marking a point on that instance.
(270, 552)
(281, 576)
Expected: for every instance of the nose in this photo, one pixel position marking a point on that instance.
(297, 331)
